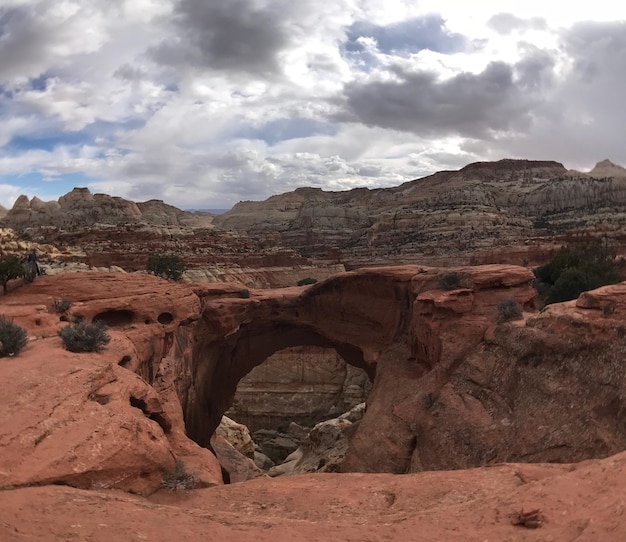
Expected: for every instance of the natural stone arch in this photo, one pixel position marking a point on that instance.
(252, 345)
(396, 323)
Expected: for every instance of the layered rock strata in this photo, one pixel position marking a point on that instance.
(487, 212)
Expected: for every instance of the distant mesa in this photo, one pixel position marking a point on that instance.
(606, 168)
(477, 209)
(80, 208)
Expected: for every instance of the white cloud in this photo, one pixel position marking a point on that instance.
(203, 103)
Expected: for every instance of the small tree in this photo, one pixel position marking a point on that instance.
(576, 269)
(179, 478)
(85, 337)
(61, 306)
(450, 281)
(13, 338)
(10, 268)
(167, 266)
(508, 309)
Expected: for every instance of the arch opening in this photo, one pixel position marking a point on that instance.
(222, 365)
(288, 394)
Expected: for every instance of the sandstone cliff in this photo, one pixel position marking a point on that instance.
(453, 387)
(451, 215)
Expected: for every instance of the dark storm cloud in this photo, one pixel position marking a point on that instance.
(22, 43)
(405, 37)
(470, 105)
(598, 50)
(238, 35)
(284, 129)
(505, 23)
(536, 70)
(582, 119)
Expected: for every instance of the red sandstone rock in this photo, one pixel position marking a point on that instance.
(452, 389)
(575, 502)
(82, 419)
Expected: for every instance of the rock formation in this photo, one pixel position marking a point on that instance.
(482, 213)
(516, 503)
(452, 388)
(84, 231)
(81, 208)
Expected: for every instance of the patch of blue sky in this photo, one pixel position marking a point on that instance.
(46, 188)
(48, 135)
(405, 37)
(46, 141)
(284, 129)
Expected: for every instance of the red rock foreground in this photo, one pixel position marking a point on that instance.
(453, 388)
(560, 503)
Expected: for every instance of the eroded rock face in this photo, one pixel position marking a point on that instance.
(107, 420)
(570, 502)
(452, 388)
(487, 212)
(80, 208)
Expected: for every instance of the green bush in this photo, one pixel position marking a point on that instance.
(85, 337)
(62, 305)
(450, 281)
(167, 266)
(307, 280)
(179, 479)
(576, 269)
(508, 309)
(10, 268)
(13, 338)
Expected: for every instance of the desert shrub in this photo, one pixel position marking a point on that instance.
(307, 280)
(13, 338)
(85, 337)
(179, 479)
(245, 293)
(167, 266)
(576, 269)
(450, 281)
(61, 305)
(10, 268)
(508, 309)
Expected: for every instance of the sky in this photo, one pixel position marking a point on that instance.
(204, 103)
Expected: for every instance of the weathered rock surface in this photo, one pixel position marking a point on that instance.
(452, 387)
(80, 208)
(583, 502)
(108, 420)
(478, 214)
(236, 467)
(237, 435)
(324, 447)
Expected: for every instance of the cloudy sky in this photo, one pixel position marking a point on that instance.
(203, 103)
